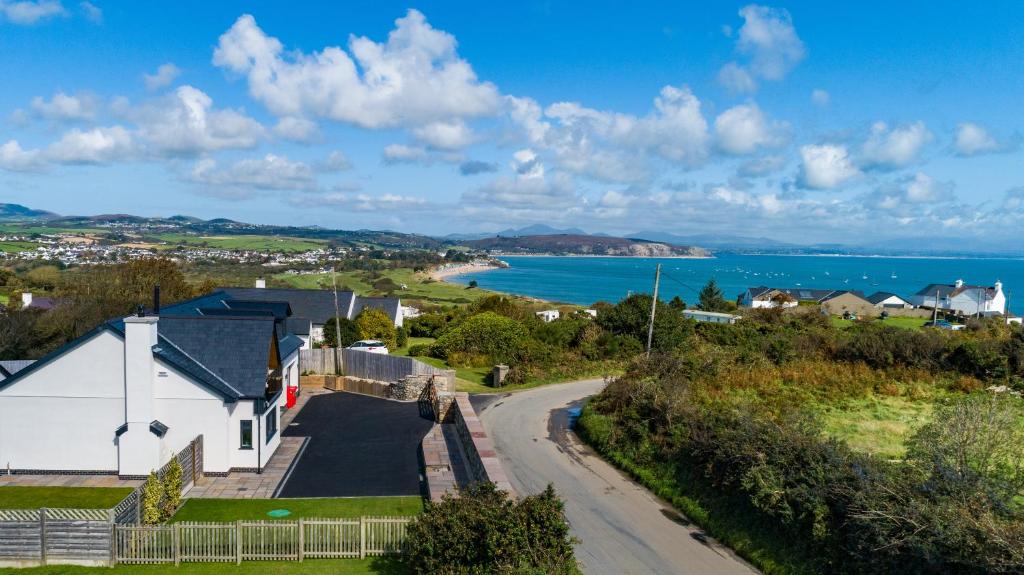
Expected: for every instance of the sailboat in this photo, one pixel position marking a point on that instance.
(893, 276)
(864, 277)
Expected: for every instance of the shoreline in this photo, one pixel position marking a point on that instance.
(443, 274)
(515, 255)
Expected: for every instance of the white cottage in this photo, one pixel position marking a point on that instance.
(125, 397)
(959, 297)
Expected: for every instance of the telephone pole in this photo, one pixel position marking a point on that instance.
(654, 308)
(935, 311)
(337, 321)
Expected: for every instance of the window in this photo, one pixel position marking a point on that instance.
(245, 432)
(271, 423)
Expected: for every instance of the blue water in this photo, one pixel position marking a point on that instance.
(584, 280)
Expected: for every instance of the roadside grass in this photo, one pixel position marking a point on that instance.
(376, 565)
(23, 497)
(420, 286)
(241, 242)
(876, 425)
(255, 509)
(15, 247)
(900, 322)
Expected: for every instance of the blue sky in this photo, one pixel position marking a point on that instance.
(797, 121)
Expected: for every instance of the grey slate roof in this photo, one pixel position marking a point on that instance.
(881, 296)
(288, 345)
(317, 306)
(389, 305)
(13, 366)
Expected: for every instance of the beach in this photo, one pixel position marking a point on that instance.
(447, 271)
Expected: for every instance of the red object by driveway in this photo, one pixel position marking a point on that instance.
(292, 391)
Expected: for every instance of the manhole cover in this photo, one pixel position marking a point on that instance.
(279, 513)
(293, 425)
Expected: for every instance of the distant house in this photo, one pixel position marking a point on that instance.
(889, 300)
(710, 316)
(762, 296)
(43, 303)
(125, 397)
(591, 312)
(549, 315)
(962, 298)
(848, 302)
(312, 308)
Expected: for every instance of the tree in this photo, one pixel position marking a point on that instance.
(373, 323)
(172, 490)
(152, 494)
(488, 335)
(472, 283)
(340, 332)
(711, 298)
(631, 317)
(677, 303)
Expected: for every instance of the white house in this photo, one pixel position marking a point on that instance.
(710, 316)
(962, 298)
(549, 315)
(125, 397)
(312, 308)
(762, 296)
(888, 300)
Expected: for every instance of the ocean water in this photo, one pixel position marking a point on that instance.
(584, 280)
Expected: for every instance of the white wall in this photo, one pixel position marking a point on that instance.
(261, 450)
(189, 410)
(63, 415)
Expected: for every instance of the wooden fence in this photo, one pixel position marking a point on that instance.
(41, 536)
(129, 510)
(363, 365)
(259, 540)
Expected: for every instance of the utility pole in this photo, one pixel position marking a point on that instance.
(337, 320)
(935, 310)
(654, 308)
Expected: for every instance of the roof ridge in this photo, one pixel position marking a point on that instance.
(197, 362)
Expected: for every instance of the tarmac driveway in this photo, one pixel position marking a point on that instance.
(359, 446)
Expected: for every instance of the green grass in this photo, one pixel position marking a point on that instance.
(377, 565)
(404, 351)
(253, 509)
(19, 497)
(15, 247)
(900, 322)
(4, 299)
(242, 242)
(420, 287)
(877, 425)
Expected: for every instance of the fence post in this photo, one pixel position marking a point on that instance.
(113, 544)
(176, 542)
(238, 540)
(42, 535)
(362, 537)
(302, 538)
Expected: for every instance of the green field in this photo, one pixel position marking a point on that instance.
(377, 565)
(18, 497)
(30, 229)
(242, 242)
(876, 425)
(420, 287)
(254, 509)
(14, 247)
(900, 322)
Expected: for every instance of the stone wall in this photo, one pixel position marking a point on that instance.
(481, 458)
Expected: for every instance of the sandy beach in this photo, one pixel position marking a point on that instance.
(449, 270)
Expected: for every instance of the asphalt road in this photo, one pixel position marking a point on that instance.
(622, 527)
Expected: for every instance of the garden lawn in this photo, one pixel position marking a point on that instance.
(254, 509)
(376, 565)
(19, 497)
(420, 286)
(877, 425)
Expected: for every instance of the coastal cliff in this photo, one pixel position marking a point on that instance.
(578, 244)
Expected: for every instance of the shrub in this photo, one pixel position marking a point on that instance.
(419, 350)
(401, 336)
(500, 338)
(485, 531)
(373, 323)
(340, 332)
(171, 490)
(152, 495)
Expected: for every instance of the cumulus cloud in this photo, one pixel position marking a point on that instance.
(336, 161)
(474, 167)
(62, 107)
(452, 135)
(414, 79)
(360, 202)
(820, 97)
(910, 195)
(15, 159)
(165, 74)
(973, 140)
(92, 12)
(744, 129)
(96, 146)
(825, 166)
(403, 154)
(271, 172)
(768, 45)
(186, 123)
(28, 12)
(296, 129)
(894, 147)
(526, 195)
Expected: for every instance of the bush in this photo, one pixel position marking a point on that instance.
(485, 531)
(152, 495)
(340, 332)
(401, 336)
(171, 490)
(373, 323)
(501, 339)
(419, 350)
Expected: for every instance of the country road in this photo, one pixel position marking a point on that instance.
(622, 527)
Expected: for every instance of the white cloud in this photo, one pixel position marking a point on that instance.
(413, 79)
(401, 153)
(825, 166)
(452, 135)
(973, 139)
(744, 129)
(165, 74)
(31, 11)
(527, 165)
(911, 197)
(62, 107)
(185, 123)
(769, 44)
(336, 161)
(356, 202)
(96, 146)
(761, 166)
(820, 97)
(15, 159)
(92, 12)
(894, 148)
(270, 172)
(296, 129)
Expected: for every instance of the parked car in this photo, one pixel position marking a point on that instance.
(370, 345)
(943, 324)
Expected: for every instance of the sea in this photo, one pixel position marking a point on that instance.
(585, 280)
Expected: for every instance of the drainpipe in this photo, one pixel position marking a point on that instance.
(259, 441)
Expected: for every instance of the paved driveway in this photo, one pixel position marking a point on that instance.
(358, 446)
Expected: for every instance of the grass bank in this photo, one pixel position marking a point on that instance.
(419, 285)
(21, 497)
(255, 509)
(900, 322)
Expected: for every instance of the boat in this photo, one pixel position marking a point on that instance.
(893, 276)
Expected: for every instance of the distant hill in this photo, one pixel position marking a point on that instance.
(714, 241)
(581, 244)
(534, 230)
(18, 212)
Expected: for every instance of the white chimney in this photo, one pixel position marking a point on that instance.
(26, 299)
(261, 283)
(959, 284)
(999, 286)
(139, 448)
